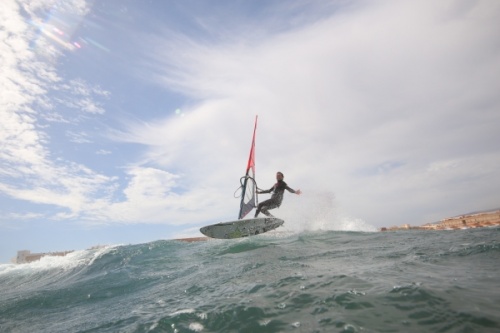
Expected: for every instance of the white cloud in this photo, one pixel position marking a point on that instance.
(80, 137)
(153, 196)
(363, 103)
(79, 95)
(29, 171)
(392, 106)
(103, 152)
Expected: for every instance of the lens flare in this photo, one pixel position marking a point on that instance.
(62, 29)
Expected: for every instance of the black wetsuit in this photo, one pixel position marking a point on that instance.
(276, 198)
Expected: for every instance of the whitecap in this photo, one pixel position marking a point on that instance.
(197, 327)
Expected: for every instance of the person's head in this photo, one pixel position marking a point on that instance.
(279, 175)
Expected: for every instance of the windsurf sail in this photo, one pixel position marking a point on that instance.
(249, 186)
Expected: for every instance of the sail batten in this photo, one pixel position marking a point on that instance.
(249, 186)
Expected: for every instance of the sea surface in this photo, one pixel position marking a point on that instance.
(322, 281)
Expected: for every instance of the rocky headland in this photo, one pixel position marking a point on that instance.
(466, 221)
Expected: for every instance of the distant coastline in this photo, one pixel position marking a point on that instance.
(466, 221)
(25, 256)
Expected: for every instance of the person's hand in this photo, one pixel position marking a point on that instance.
(298, 192)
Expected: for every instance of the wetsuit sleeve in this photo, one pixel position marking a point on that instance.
(267, 191)
(291, 190)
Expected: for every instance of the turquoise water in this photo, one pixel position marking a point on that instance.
(411, 281)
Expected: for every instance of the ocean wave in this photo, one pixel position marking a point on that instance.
(309, 281)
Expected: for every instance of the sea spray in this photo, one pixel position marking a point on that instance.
(315, 210)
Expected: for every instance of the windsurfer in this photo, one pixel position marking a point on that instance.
(278, 191)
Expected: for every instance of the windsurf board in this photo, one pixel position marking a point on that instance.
(241, 228)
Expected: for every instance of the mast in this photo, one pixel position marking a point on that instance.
(250, 166)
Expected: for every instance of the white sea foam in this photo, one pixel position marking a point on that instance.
(69, 261)
(183, 311)
(197, 327)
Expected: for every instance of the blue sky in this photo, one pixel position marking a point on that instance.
(130, 121)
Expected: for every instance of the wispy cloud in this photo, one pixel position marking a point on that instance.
(413, 83)
(103, 152)
(29, 171)
(393, 106)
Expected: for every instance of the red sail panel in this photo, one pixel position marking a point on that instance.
(251, 158)
(249, 188)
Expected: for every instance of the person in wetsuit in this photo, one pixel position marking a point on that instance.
(278, 191)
